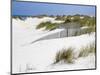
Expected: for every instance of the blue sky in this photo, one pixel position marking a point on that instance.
(33, 9)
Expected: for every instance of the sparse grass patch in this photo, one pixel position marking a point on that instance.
(85, 51)
(88, 30)
(65, 54)
(29, 67)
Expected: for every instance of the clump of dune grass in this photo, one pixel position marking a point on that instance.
(65, 54)
(47, 25)
(85, 51)
(41, 25)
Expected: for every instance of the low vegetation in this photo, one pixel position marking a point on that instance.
(85, 51)
(62, 18)
(19, 17)
(87, 30)
(47, 25)
(84, 20)
(65, 54)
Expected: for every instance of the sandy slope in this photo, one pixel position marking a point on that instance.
(40, 55)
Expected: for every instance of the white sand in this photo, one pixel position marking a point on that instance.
(40, 55)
